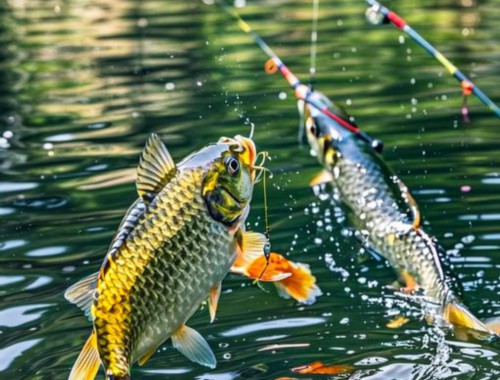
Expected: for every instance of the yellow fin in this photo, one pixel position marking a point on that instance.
(397, 322)
(147, 355)
(409, 281)
(82, 293)
(213, 301)
(250, 247)
(156, 168)
(301, 285)
(458, 315)
(193, 346)
(87, 363)
(323, 177)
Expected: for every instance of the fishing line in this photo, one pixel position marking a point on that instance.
(314, 42)
(267, 244)
(377, 14)
(302, 92)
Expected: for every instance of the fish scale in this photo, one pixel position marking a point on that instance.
(171, 266)
(380, 212)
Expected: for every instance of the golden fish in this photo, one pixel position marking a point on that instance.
(173, 248)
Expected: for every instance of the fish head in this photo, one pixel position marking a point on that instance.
(228, 183)
(324, 135)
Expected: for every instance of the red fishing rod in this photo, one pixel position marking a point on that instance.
(301, 91)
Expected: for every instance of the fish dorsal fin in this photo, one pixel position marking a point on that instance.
(156, 168)
(213, 300)
(193, 346)
(82, 293)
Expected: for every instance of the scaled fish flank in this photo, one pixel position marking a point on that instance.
(171, 251)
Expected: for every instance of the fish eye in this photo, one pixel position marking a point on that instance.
(314, 130)
(232, 165)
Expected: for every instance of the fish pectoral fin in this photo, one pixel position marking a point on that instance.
(410, 283)
(147, 355)
(250, 246)
(213, 301)
(88, 362)
(193, 346)
(156, 168)
(323, 177)
(82, 293)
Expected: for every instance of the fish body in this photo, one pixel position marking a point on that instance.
(177, 253)
(172, 250)
(382, 209)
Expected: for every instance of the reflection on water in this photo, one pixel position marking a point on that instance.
(83, 83)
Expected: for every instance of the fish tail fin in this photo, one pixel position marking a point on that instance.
(88, 362)
(458, 315)
(292, 280)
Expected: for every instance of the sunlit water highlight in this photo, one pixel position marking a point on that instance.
(82, 84)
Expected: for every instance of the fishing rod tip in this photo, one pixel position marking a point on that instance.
(377, 145)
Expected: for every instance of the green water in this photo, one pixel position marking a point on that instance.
(83, 83)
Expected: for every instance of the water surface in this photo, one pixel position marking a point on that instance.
(82, 85)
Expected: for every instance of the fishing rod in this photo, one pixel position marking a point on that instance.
(301, 91)
(378, 14)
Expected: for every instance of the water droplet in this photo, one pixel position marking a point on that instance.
(142, 22)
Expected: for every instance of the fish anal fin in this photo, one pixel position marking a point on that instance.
(156, 168)
(193, 346)
(82, 293)
(457, 314)
(323, 177)
(213, 301)
(88, 362)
